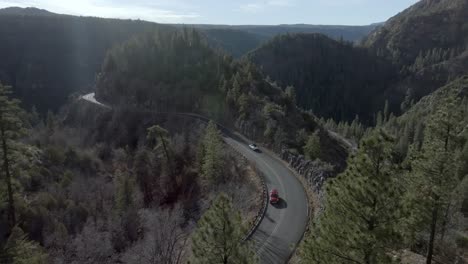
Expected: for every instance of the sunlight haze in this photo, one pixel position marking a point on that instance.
(268, 12)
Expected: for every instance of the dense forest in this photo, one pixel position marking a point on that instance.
(75, 195)
(427, 42)
(405, 188)
(410, 56)
(332, 78)
(178, 72)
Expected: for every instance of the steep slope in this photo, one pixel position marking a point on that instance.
(428, 42)
(48, 57)
(332, 78)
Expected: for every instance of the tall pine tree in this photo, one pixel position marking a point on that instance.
(312, 149)
(11, 128)
(361, 212)
(435, 171)
(219, 236)
(211, 154)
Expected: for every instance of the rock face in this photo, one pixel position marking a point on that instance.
(315, 172)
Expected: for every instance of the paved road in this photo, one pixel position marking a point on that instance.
(284, 224)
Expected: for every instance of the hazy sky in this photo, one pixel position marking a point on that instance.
(343, 12)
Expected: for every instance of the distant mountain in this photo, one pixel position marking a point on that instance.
(332, 78)
(428, 41)
(235, 42)
(238, 40)
(349, 33)
(28, 11)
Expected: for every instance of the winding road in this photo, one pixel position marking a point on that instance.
(284, 224)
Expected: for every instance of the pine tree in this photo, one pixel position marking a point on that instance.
(312, 149)
(160, 135)
(124, 191)
(386, 111)
(219, 236)
(435, 170)
(212, 160)
(11, 128)
(361, 213)
(20, 250)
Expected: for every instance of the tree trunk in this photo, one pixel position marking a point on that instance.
(445, 222)
(430, 249)
(165, 148)
(6, 166)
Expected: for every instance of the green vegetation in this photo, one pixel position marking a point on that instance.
(219, 236)
(11, 128)
(360, 218)
(176, 71)
(18, 249)
(424, 45)
(106, 189)
(332, 78)
(312, 148)
(388, 200)
(211, 161)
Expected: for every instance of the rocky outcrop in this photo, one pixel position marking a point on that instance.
(314, 172)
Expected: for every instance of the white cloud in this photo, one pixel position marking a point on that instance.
(251, 8)
(256, 7)
(143, 9)
(280, 3)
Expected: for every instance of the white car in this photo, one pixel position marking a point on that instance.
(254, 147)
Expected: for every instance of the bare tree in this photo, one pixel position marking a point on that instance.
(165, 239)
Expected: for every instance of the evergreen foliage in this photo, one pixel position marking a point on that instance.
(361, 216)
(211, 159)
(11, 128)
(124, 197)
(312, 148)
(20, 250)
(435, 171)
(333, 79)
(219, 236)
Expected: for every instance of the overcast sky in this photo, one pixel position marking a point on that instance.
(270, 12)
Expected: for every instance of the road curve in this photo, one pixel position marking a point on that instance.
(283, 225)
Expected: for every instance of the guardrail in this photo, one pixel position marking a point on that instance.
(262, 211)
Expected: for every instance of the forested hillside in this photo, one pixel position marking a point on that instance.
(405, 188)
(178, 72)
(332, 78)
(428, 42)
(239, 40)
(48, 57)
(98, 186)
